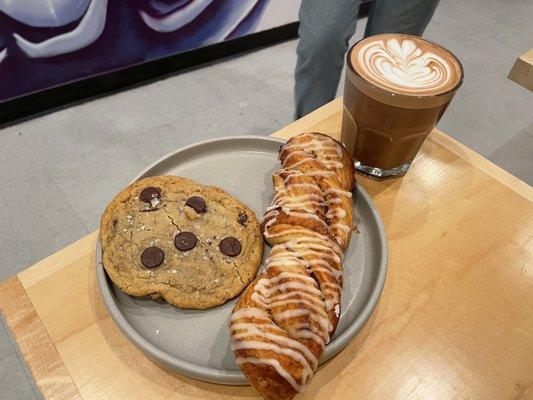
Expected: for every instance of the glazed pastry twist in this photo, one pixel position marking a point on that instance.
(286, 316)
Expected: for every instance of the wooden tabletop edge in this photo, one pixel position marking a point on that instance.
(55, 262)
(483, 164)
(34, 343)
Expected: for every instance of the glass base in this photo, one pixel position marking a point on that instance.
(381, 173)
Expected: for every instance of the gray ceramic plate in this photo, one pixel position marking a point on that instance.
(196, 343)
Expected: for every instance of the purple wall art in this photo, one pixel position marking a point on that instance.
(46, 43)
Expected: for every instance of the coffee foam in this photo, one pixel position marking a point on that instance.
(405, 64)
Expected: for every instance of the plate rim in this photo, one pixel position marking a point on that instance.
(221, 376)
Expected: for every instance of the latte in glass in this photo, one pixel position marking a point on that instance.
(397, 87)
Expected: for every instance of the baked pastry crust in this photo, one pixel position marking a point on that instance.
(284, 319)
(200, 277)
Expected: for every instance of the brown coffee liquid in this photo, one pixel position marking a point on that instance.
(381, 135)
(385, 128)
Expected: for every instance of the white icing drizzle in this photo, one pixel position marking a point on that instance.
(340, 192)
(247, 330)
(294, 172)
(249, 312)
(314, 250)
(284, 349)
(307, 236)
(302, 185)
(307, 334)
(276, 365)
(341, 227)
(298, 312)
(324, 149)
(336, 213)
(302, 274)
(277, 300)
(292, 285)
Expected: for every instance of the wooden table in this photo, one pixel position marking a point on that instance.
(455, 320)
(522, 71)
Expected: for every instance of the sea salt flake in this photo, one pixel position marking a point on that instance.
(154, 201)
(157, 331)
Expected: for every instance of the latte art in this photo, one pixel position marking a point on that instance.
(405, 66)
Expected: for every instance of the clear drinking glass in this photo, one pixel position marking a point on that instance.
(383, 128)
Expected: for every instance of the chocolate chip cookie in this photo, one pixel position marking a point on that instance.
(171, 238)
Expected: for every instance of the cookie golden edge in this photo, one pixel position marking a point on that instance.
(137, 287)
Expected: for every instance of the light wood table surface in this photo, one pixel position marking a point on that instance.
(522, 71)
(455, 320)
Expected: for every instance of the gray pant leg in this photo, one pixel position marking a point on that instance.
(325, 29)
(400, 16)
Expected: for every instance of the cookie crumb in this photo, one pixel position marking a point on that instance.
(190, 213)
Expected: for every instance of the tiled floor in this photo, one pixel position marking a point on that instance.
(59, 170)
(15, 380)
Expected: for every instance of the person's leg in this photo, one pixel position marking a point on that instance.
(400, 16)
(325, 29)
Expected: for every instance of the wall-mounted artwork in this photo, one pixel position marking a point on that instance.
(47, 43)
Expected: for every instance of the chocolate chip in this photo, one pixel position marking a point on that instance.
(185, 241)
(152, 257)
(150, 209)
(242, 218)
(230, 246)
(149, 193)
(197, 204)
